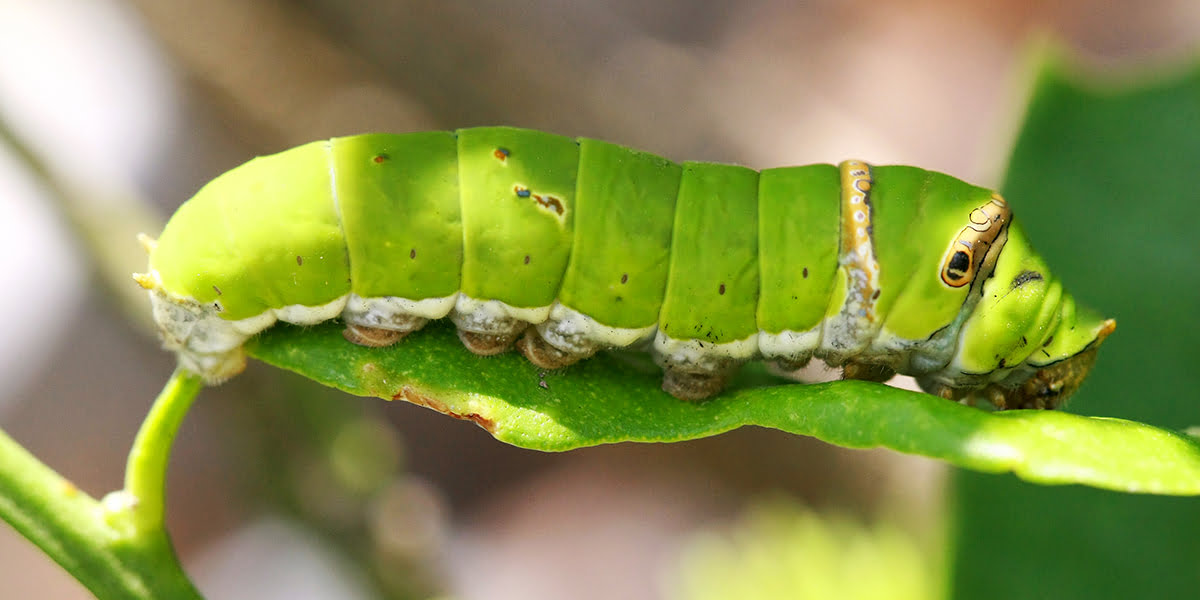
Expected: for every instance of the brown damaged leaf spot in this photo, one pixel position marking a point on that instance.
(411, 396)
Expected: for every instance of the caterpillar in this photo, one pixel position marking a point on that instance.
(565, 246)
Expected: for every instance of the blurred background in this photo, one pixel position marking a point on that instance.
(116, 111)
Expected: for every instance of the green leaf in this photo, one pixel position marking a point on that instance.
(1103, 176)
(611, 399)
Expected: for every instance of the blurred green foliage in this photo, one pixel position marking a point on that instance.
(778, 551)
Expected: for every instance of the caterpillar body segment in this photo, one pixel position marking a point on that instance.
(567, 246)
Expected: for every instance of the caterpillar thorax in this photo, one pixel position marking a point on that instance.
(568, 246)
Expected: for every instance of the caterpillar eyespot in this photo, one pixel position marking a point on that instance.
(878, 269)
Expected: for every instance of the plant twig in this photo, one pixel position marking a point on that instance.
(117, 548)
(146, 469)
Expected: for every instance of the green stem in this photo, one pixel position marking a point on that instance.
(146, 470)
(118, 550)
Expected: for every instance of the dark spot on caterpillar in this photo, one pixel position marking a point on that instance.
(875, 296)
(806, 272)
(217, 306)
(1046, 353)
(218, 290)
(526, 259)
(299, 261)
(624, 277)
(619, 298)
(501, 154)
(550, 202)
(721, 290)
(1025, 277)
(1002, 363)
(1024, 341)
(380, 159)
(1048, 340)
(412, 253)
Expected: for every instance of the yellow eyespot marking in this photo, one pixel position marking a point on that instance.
(973, 244)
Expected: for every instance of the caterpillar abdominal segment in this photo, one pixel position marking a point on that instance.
(563, 247)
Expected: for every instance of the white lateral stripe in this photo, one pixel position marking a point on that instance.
(794, 345)
(701, 353)
(566, 325)
(384, 308)
(487, 313)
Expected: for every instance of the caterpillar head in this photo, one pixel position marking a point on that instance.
(1026, 337)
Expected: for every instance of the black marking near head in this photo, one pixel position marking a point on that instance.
(1025, 277)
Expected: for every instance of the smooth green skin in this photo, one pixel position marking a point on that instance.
(626, 195)
(399, 200)
(514, 250)
(1014, 324)
(713, 282)
(798, 232)
(265, 234)
(917, 215)
(617, 397)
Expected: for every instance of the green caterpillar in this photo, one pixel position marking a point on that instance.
(568, 246)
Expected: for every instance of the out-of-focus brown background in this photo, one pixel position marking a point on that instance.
(278, 490)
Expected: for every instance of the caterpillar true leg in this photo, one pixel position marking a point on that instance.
(867, 371)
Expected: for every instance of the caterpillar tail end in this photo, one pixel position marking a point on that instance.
(216, 368)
